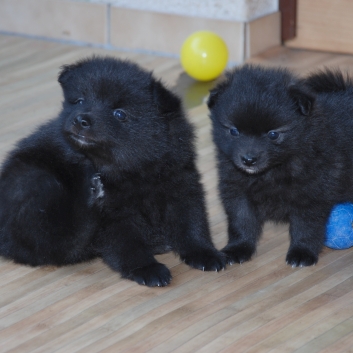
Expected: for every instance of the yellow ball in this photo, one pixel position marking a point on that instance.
(204, 55)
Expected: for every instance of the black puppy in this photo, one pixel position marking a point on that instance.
(284, 154)
(113, 176)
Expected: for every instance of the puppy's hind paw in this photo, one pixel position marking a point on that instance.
(299, 257)
(205, 260)
(154, 275)
(238, 253)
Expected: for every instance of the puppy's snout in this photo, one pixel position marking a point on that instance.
(83, 120)
(249, 160)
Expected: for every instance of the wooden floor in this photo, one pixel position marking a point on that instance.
(260, 306)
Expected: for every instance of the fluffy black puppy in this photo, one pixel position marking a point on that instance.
(284, 154)
(113, 176)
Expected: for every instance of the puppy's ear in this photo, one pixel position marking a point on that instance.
(166, 101)
(212, 98)
(220, 87)
(303, 98)
(66, 73)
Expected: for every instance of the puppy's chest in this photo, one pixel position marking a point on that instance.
(269, 189)
(150, 210)
(147, 201)
(272, 198)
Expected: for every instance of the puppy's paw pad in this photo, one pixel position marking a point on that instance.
(299, 257)
(238, 253)
(205, 260)
(154, 275)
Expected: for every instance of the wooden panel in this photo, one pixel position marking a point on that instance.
(166, 33)
(324, 25)
(263, 33)
(65, 20)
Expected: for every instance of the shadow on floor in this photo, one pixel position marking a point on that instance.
(192, 92)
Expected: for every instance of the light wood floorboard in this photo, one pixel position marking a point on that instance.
(260, 306)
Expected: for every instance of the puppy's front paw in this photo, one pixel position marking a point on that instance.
(299, 256)
(238, 253)
(205, 260)
(154, 275)
(96, 188)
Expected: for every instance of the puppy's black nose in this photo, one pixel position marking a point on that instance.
(249, 161)
(82, 120)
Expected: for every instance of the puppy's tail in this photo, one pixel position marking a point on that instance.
(328, 81)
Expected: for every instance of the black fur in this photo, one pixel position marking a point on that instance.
(113, 176)
(290, 159)
(328, 81)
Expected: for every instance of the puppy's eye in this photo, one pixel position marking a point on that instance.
(273, 135)
(234, 131)
(79, 101)
(120, 114)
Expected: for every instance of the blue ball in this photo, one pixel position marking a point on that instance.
(339, 230)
